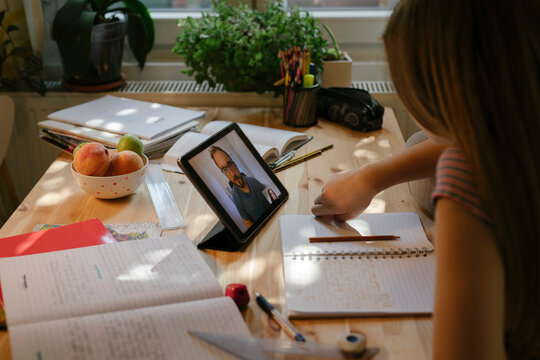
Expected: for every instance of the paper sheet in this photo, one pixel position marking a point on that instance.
(97, 279)
(335, 279)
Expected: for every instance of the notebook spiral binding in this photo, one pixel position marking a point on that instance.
(381, 253)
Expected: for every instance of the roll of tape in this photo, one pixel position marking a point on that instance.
(352, 343)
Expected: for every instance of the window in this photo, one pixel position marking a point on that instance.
(162, 5)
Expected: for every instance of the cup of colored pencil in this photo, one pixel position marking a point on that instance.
(300, 87)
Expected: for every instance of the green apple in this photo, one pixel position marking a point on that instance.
(78, 147)
(130, 142)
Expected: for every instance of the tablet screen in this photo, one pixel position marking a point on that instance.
(234, 180)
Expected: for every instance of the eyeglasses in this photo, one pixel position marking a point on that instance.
(226, 170)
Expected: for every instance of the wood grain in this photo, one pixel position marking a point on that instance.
(57, 199)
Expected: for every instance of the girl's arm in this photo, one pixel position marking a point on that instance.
(469, 297)
(348, 193)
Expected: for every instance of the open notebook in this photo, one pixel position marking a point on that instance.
(357, 278)
(129, 300)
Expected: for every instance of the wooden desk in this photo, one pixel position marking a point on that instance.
(57, 199)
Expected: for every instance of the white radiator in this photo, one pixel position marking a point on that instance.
(28, 157)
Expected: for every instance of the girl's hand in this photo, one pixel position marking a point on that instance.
(346, 195)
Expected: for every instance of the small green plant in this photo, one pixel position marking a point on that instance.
(72, 29)
(333, 53)
(238, 47)
(27, 66)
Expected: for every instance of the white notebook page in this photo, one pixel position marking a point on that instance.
(149, 333)
(104, 278)
(336, 279)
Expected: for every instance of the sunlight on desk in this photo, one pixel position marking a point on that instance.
(367, 154)
(254, 267)
(384, 143)
(53, 197)
(366, 141)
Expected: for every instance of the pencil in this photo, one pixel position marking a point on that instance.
(353, 238)
(302, 158)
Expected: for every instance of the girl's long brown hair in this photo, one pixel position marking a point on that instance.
(470, 70)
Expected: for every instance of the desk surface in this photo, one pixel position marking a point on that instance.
(57, 199)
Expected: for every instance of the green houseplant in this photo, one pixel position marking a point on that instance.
(238, 46)
(90, 36)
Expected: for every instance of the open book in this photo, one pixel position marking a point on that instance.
(357, 278)
(270, 143)
(134, 299)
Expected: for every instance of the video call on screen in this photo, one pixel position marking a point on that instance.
(236, 179)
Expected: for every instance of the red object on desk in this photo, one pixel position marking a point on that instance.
(76, 235)
(239, 293)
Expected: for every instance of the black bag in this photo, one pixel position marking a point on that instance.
(353, 108)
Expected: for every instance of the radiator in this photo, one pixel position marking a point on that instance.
(28, 157)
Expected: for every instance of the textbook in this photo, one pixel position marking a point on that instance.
(66, 137)
(357, 278)
(129, 300)
(122, 116)
(270, 143)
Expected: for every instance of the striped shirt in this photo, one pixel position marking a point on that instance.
(455, 181)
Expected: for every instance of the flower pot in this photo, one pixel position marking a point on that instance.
(337, 73)
(106, 47)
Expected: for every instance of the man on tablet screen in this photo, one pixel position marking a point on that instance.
(246, 191)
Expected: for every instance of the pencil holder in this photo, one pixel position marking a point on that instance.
(300, 106)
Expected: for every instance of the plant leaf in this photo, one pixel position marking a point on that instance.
(144, 15)
(66, 21)
(137, 39)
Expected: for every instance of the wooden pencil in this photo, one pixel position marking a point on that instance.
(353, 238)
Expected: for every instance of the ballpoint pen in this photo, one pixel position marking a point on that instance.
(283, 323)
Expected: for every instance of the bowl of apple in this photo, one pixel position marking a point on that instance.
(108, 173)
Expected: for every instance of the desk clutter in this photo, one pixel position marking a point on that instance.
(106, 119)
(146, 298)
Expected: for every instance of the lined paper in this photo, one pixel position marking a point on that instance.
(148, 333)
(106, 278)
(339, 279)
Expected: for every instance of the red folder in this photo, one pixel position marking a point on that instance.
(81, 234)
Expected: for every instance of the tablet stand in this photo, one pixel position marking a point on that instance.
(219, 238)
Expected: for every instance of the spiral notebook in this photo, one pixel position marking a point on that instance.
(344, 279)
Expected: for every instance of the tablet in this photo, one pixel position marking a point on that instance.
(237, 184)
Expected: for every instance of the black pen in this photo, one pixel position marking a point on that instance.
(283, 323)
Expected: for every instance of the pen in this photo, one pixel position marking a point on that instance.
(283, 323)
(290, 154)
(302, 158)
(352, 238)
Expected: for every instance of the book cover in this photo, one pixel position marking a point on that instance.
(121, 116)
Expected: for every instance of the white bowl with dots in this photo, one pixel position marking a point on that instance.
(111, 187)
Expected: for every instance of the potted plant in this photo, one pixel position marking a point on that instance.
(337, 65)
(238, 47)
(90, 37)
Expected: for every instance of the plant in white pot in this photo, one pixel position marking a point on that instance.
(90, 37)
(337, 65)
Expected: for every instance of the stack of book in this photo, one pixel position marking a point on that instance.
(105, 120)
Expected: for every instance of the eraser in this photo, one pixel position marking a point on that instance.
(352, 343)
(239, 293)
(309, 80)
